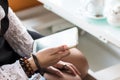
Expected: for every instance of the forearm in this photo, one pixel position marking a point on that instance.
(17, 36)
(36, 65)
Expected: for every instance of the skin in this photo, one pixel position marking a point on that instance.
(65, 76)
(49, 57)
(53, 59)
(76, 59)
(56, 72)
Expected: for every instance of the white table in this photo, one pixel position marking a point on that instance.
(70, 10)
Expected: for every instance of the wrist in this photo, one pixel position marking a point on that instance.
(26, 66)
(32, 63)
(36, 62)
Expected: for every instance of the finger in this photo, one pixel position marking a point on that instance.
(59, 65)
(71, 70)
(77, 71)
(70, 67)
(55, 71)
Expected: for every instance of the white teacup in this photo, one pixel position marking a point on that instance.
(94, 7)
(113, 17)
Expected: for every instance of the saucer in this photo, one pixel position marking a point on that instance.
(98, 16)
(92, 16)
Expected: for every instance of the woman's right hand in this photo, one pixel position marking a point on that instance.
(50, 56)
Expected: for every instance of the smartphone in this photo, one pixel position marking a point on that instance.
(67, 37)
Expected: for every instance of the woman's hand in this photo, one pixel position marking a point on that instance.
(51, 56)
(60, 71)
(54, 71)
(67, 67)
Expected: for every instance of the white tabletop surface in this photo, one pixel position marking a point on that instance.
(71, 11)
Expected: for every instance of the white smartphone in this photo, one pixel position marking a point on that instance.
(67, 37)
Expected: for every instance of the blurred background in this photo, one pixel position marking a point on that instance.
(18, 5)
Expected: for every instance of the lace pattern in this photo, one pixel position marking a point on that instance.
(12, 72)
(17, 36)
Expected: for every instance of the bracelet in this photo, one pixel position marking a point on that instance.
(40, 70)
(26, 66)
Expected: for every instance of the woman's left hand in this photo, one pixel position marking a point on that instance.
(53, 73)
